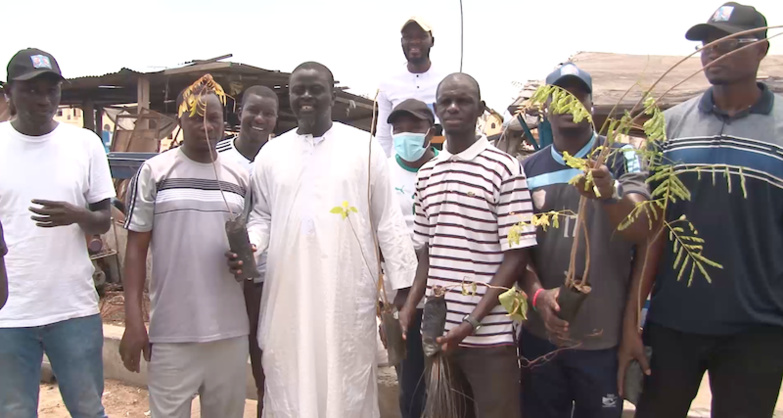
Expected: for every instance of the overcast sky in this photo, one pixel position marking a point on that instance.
(505, 41)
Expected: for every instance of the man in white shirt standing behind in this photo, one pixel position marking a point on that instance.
(55, 187)
(257, 120)
(418, 80)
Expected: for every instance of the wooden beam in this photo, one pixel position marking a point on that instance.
(198, 68)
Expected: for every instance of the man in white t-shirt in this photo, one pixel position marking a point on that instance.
(257, 120)
(418, 80)
(55, 187)
(413, 126)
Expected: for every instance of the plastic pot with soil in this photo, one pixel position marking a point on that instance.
(239, 242)
(570, 299)
(395, 345)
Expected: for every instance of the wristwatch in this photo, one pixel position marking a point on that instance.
(472, 321)
(617, 193)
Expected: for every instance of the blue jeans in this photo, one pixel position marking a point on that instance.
(75, 350)
(574, 384)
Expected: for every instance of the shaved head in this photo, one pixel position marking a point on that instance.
(461, 79)
(317, 66)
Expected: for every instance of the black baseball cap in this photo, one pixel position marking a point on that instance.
(730, 18)
(570, 70)
(413, 107)
(30, 63)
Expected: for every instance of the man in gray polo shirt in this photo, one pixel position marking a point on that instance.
(733, 326)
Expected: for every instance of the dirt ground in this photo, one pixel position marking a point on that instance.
(112, 305)
(118, 399)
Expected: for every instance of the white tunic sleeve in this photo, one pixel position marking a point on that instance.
(393, 235)
(260, 219)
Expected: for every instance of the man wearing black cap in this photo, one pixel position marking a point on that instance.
(418, 80)
(580, 382)
(413, 127)
(55, 187)
(733, 326)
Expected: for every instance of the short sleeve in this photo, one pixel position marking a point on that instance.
(515, 206)
(630, 174)
(141, 201)
(422, 229)
(101, 185)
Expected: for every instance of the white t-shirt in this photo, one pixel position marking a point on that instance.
(403, 179)
(49, 269)
(227, 148)
(401, 86)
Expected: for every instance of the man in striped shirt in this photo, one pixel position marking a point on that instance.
(257, 120)
(467, 200)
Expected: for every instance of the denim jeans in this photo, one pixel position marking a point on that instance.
(75, 350)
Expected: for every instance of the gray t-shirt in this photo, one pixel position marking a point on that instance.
(194, 296)
(598, 323)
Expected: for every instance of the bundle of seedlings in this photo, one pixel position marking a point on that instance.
(442, 401)
(194, 103)
(666, 187)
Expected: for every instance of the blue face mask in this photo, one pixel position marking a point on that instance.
(410, 146)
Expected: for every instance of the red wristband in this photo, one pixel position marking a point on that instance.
(535, 298)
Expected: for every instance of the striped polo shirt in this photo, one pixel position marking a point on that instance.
(465, 205)
(740, 218)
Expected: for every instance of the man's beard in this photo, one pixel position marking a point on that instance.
(425, 56)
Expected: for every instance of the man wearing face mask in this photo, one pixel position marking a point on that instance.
(413, 126)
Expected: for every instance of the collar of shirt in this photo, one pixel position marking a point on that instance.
(763, 105)
(581, 154)
(469, 154)
(315, 140)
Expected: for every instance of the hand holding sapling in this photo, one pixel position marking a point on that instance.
(548, 308)
(235, 264)
(453, 338)
(602, 182)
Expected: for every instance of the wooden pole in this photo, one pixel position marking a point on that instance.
(143, 99)
(88, 114)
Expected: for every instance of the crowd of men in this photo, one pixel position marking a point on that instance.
(438, 217)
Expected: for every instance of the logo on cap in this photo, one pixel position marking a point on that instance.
(569, 70)
(723, 14)
(41, 61)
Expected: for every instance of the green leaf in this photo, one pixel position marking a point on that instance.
(515, 304)
(336, 210)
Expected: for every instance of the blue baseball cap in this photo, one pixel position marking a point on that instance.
(570, 70)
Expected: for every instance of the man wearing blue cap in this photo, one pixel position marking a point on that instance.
(731, 327)
(580, 382)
